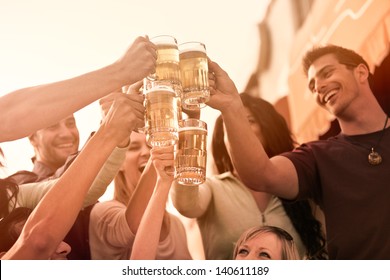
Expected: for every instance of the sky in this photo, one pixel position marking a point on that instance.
(43, 41)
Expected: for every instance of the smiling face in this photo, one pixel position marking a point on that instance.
(334, 85)
(55, 143)
(137, 156)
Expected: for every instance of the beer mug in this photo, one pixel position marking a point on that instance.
(167, 64)
(162, 113)
(191, 152)
(194, 75)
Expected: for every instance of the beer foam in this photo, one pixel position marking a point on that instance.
(166, 46)
(193, 51)
(192, 46)
(161, 89)
(192, 128)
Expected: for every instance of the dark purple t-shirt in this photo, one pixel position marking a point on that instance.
(354, 195)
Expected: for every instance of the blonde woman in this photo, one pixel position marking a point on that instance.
(114, 223)
(265, 243)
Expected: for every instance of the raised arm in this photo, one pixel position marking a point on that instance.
(145, 186)
(50, 103)
(30, 194)
(57, 211)
(191, 201)
(277, 175)
(149, 231)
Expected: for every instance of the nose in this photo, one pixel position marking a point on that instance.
(319, 87)
(145, 151)
(63, 249)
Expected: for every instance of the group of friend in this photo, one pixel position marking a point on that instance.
(265, 201)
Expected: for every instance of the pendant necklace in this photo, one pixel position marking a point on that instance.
(373, 157)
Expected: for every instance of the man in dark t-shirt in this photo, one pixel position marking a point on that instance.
(348, 175)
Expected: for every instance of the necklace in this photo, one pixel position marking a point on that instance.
(373, 157)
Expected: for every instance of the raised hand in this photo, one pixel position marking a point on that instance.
(163, 161)
(139, 60)
(223, 91)
(125, 114)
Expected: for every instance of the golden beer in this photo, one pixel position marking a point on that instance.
(194, 75)
(167, 67)
(167, 64)
(161, 116)
(191, 155)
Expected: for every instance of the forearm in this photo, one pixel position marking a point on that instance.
(246, 151)
(30, 194)
(105, 176)
(57, 211)
(46, 102)
(148, 235)
(141, 196)
(191, 201)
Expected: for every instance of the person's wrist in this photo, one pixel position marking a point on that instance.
(125, 143)
(234, 106)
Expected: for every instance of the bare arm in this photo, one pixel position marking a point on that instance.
(57, 211)
(41, 106)
(149, 231)
(277, 175)
(145, 186)
(140, 199)
(191, 201)
(105, 176)
(30, 194)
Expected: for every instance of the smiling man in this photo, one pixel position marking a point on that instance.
(346, 175)
(53, 145)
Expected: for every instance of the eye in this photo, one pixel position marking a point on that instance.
(71, 123)
(52, 128)
(328, 73)
(134, 147)
(243, 252)
(252, 120)
(264, 255)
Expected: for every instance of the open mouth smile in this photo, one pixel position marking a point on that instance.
(328, 95)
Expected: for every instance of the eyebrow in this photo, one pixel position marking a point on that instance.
(319, 73)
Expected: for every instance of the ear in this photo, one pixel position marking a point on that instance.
(363, 72)
(33, 139)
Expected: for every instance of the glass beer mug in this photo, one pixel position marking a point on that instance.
(194, 75)
(162, 113)
(167, 67)
(191, 152)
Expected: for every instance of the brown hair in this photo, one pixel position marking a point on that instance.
(274, 129)
(8, 231)
(344, 56)
(121, 190)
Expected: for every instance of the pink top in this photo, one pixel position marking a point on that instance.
(111, 238)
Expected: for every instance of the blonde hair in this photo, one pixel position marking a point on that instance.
(289, 249)
(122, 192)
